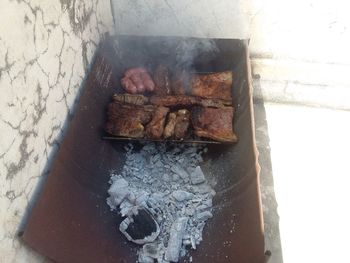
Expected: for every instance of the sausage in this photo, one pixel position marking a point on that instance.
(137, 80)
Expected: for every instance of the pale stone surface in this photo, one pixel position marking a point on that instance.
(45, 50)
(310, 156)
(302, 30)
(300, 50)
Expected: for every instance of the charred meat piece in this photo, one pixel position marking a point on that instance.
(182, 124)
(137, 80)
(131, 99)
(214, 123)
(155, 128)
(180, 82)
(170, 126)
(161, 79)
(128, 120)
(183, 100)
(171, 101)
(215, 85)
(177, 124)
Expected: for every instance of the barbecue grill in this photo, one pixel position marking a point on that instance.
(71, 221)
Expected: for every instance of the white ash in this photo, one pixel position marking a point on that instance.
(168, 182)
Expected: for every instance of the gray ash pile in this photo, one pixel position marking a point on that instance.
(165, 199)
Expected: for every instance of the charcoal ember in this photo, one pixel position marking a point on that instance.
(179, 171)
(181, 195)
(182, 124)
(151, 250)
(155, 127)
(216, 124)
(203, 216)
(175, 241)
(140, 227)
(145, 259)
(197, 177)
(119, 191)
(146, 177)
(141, 198)
(214, 85)
(125, 207)
(161, 79)
(203, 189)
(202, 207)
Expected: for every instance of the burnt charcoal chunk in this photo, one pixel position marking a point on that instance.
(143, 225)
(182, 124)
(177, 232)
(155, 128)
(140, 226)
(128, 120)
(161, 79)
(214, 123)
(215, 85)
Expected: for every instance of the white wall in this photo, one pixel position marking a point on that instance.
(45, 48)
(300, 49)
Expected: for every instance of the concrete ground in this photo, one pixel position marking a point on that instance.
(304, 156)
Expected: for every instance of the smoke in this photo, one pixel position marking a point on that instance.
(189, 50)
(174, 52)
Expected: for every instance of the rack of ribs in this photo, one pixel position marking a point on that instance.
(214, 123)
(214, 85)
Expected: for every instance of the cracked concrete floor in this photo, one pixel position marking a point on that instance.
(304, 155)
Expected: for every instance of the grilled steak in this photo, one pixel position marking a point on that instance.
(128, 120)
(155, 128)
(170, 126)
(162, 80)
(183, 100)
(131, 99)
(214, 123)
(215, 85)
(182, 124)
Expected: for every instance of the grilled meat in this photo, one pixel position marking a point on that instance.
(155, 128)
(131, 99)
(137, 80)
(180, 82)
(128, 120)
(161, 79)
(170, 126)
(182, 124)
(215, 85)
(214, 123)
(183, 100)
